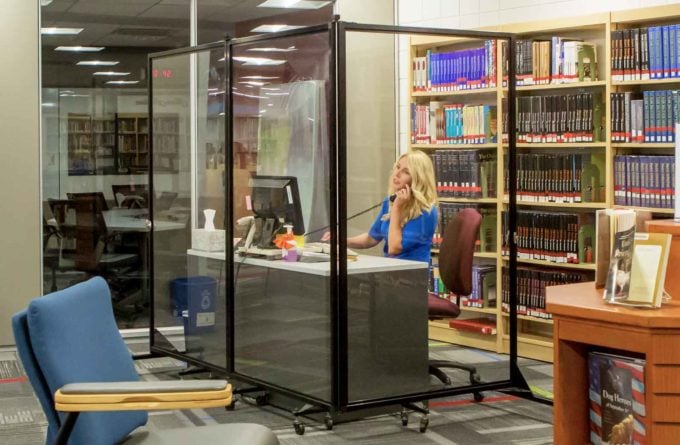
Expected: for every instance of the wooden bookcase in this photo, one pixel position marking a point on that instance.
(535, 334)
(119, 144)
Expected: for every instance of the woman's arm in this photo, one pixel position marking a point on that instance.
(363, 241)
(394, 237)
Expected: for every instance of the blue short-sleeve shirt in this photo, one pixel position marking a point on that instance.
(416, 238)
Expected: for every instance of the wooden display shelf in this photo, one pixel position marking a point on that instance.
(584, 266)
(666, 81)
(493, 90)
(471, 200)
(452, 146)
(490, 255)
(482, 310)
(649, 209)
(670, 145)
(584, 323)
(559, 86)
(567, 205)
(559, 145)
(531, 346)
(439, 330)
(530, 318)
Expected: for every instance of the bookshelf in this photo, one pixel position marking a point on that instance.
(119, 143)
(534, 333)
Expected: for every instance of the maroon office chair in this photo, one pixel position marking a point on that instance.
(456, 255)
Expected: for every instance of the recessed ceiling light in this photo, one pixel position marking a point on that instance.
(259, 77)
(270, 89)
(249, 95)
(56, 31)
(122, 82)
(259, 61)
(254, 82)
(295, 4)
(98, 62)
(49, 104)
(274, 28)
(274, 50)
(110, 73)
(277, 94)
(80, 49)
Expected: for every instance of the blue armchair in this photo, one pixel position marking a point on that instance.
(77, 362)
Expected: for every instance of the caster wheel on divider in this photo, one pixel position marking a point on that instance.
(328, 421)
(404, 418)
(262, 399)
(424, 422)
(478, 396)
(232, 406)
(299, 428)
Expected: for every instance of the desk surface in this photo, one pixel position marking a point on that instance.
(133, 220)
(583, 300)
(363, 264)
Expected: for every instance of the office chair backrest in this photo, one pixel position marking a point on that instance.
(71, 336)
(456, 253)
(90, 231)
(120, 191)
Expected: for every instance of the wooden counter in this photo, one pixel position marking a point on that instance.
(584, 323)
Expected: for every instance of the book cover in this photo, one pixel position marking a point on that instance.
(616, 392)
(650, 258)
(620, 263)
(481, 325)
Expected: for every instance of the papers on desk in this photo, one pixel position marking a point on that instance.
(324, 248)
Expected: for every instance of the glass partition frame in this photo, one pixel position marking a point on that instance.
(339, 400)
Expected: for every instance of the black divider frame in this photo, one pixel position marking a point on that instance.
(337, 31)
(164, 347)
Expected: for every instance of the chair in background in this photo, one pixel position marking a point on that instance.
(98, 197)
(456, 256)
(131, 196)
(164, 201)
(77, 362)
(121, 270)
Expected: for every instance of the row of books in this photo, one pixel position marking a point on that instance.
(648, 119)
(456, 70)
(555, 61)
(441, 123)
(552, 236)
(560, 118)
(483, 293)
(486, 240)
(531, 283)
(644, 181)
(645, 53)
(465, 173)
(558, 177)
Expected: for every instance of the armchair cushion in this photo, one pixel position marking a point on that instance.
(95, 352)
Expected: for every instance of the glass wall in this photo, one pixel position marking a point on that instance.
(95, 131)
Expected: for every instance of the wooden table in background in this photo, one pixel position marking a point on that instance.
(584, 323)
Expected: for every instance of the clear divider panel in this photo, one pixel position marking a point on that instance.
(282, 310)
(189, 209)
(394, 332)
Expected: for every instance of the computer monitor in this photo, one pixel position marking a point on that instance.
(277, 198)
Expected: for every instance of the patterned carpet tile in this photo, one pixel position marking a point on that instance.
(500, 419)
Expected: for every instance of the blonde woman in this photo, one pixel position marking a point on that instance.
(408, 223)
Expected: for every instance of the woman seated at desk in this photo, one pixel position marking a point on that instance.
(408, 216)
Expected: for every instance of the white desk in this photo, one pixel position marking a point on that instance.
(363, 264)
(132, 220)
(283, 314)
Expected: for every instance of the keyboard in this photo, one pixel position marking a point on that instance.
(258, 252)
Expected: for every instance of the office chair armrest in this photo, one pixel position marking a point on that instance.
(127, 396)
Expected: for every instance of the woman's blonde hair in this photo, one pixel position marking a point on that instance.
(423, 187)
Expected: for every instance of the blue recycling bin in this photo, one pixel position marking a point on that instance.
(193, 299)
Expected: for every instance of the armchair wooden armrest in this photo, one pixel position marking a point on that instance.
(127, 396)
